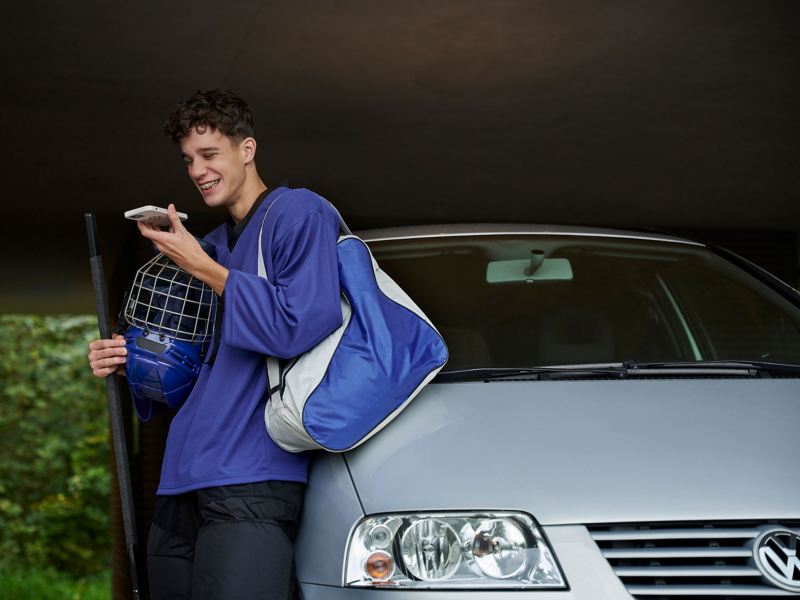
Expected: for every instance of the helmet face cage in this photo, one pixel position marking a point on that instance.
(166, 300)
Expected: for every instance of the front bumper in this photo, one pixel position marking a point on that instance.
(588, 575)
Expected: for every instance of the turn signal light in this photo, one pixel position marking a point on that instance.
(379, 566)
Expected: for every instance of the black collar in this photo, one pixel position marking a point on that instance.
(236, 229)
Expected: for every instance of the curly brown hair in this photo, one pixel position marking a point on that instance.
(216, 109)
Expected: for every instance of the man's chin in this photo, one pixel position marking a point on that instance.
(215, 198)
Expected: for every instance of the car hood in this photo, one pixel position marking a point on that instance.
(591, 451)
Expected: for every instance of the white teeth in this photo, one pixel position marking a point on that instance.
(209, 185)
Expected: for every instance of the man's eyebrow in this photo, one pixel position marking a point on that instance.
(202, 150)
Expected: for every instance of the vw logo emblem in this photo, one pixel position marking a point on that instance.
(775, 555)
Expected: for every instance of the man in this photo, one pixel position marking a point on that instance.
(229, 498)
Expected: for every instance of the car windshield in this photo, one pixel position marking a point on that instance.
(539, 300)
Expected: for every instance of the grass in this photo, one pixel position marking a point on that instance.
(50, 585)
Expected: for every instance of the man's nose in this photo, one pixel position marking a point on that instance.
(196, 170)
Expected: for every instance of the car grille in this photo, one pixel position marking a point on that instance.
(658, 561)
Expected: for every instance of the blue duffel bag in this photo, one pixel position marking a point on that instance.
(354, 382)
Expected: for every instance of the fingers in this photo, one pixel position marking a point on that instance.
(156, 234)
(116, 341)
(174, 221)
(148, 230)
(143, 229)
(104, 371)
(105, 356)
(177, 243)
(107, 366)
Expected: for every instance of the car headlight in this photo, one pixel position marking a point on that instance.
(451, 550)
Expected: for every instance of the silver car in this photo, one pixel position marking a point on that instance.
(619, 417)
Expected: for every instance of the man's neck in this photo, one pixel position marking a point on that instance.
(239, 210)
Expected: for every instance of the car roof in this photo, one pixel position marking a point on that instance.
(471, 229)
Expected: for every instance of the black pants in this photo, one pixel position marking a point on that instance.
(225, 543)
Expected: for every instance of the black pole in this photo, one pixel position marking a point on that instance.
(114, 407)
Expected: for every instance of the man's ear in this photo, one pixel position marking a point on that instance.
(248, 147)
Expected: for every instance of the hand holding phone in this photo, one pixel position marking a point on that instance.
(152, 215)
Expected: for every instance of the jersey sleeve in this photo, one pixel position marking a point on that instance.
(302, 306)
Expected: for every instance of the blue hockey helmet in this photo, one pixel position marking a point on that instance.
(160, 369)
(169, 318)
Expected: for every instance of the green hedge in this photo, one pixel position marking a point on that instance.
(48, 585)
(54, 448)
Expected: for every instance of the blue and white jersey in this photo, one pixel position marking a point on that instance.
(218, 436)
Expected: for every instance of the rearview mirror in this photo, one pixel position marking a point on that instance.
(508, 271)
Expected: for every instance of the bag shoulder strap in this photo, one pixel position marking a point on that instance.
(262, 269)
(276, 368)
(343, 228)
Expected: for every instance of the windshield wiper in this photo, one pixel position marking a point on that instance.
(715, 367)
(541, 373)
(626, 370)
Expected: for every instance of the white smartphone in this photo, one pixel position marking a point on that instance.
(152, 215)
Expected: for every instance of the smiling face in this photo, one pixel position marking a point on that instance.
(222, 169)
